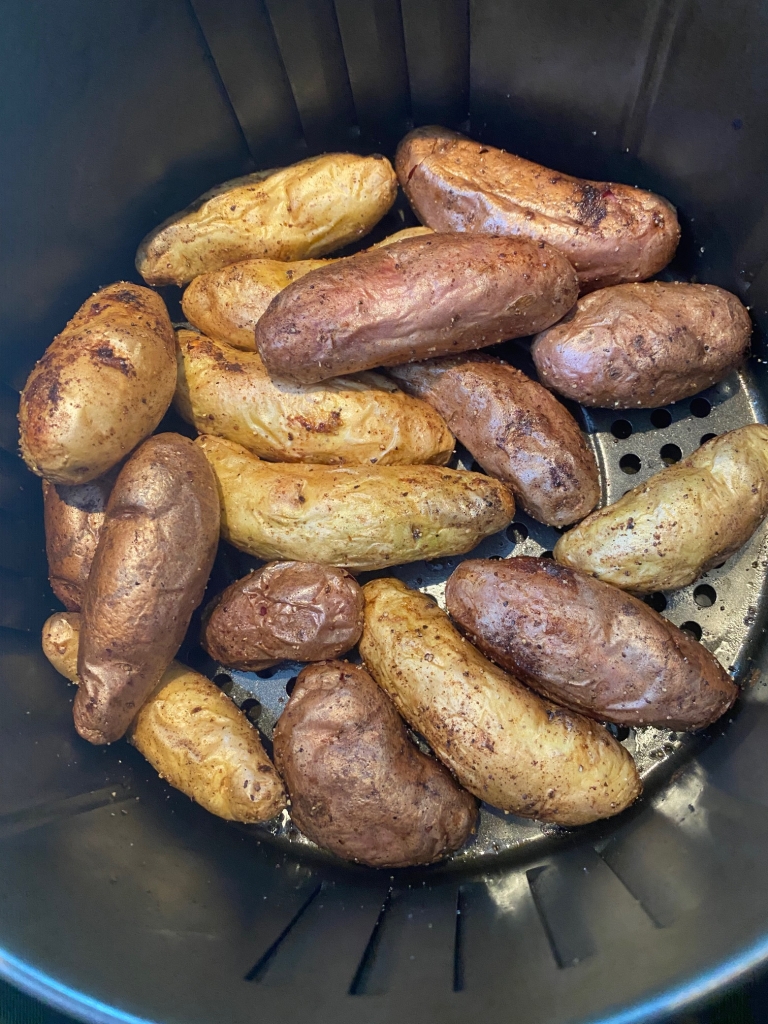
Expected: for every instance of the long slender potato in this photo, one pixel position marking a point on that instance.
(359, 518)
(225, 304)
(191, 733)
(680, 523)
(343, 421)
(506, 745)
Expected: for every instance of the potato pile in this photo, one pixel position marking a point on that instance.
(327, 394)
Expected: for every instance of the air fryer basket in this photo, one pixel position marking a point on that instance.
(121, 899)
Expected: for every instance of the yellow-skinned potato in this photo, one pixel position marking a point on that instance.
(226, 304)
(343, 421)
(359, 518)
(503, 743)
(292, 213)
(191, 733)
(680, 523)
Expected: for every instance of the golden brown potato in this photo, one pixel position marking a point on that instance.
(358, 517)
(292, 213)
(643, 345)
(610, 233)
(191, 733)
(587, 646)
(502, 742)
(515, 429)
(358, 786)
(429, 296)
(225, 304)
(295, 611)
(343, 421)
(684, 520)
(149, 572)
(74, 516)
(102, 386)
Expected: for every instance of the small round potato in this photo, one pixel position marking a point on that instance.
(685, 520)
(305, 210)
(587, 646)
(358, 786)
(502, 742)
(643, 345)
(285, 611)
(102, 386)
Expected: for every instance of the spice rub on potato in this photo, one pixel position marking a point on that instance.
(292, 213)
(343, 421)
(503, 743)
(586, 645)
(358, 786)
(430, 296)
(681, 522)
(102, 386)
(294, 611)
(516, 430)
(609, 232)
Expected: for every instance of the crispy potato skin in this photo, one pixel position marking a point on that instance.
(680, 523)
(427, 296)
(195, 737)
(502, 742)
(227, 303)
(609, 232)
(582, 644)
(343, 421)
(357, 517)
(102, 386)
(515, 429)
(358, 786)
(644, 345)
(74, 516)
(296, 212)
(296, 611)
(149, 572)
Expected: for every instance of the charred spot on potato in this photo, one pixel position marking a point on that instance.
(106, 354)
(590, 203)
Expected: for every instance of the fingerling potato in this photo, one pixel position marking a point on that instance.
(681, 522)
(358, 786)
(296, 212)
(343, 421)
(149, 572)
(295, 611)
(191, 733)
(502, 742)
(515, 430)
(609, 232)
(587, 646)
(102, 386)
(428, 296)
(359, 518)
(643, 345)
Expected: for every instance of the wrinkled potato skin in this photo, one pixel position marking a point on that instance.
(685, 520)
(343, 421)
(356, 517)
(227, 303)
(609, 232)
(152, 563)
(515, 429)
(644, 345)
(293, 213)
(582, 644)
(358, 786)
(102, 386)
(284, 611)
(502, 742)
(428, 296)
(74, 516)
(191, 733)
